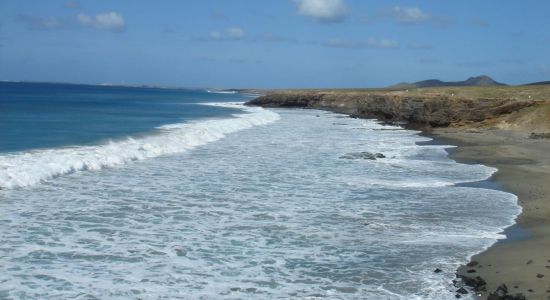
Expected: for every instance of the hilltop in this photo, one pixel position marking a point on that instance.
(482, 80)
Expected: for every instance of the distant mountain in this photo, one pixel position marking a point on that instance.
(472, 81)
(539, 83)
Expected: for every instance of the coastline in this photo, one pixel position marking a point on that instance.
(504, 132)
(523, 169)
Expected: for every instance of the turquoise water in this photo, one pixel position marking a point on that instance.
(241, 203)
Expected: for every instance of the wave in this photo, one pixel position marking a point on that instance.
(30, 168)
(221, 92)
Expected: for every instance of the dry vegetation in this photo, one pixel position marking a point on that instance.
(522, 108)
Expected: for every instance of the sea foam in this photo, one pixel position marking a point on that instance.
(24, 169)
(267, 213)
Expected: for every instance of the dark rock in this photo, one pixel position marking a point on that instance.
(540, 275)
(507, 297)
(502, 290)
(462, 291)
(472, 263)
(529, 261)
(477, 283)
(537, 136)
(471, 271)
(438, 270)
(362, 155)
(501, 293)
(181, 252)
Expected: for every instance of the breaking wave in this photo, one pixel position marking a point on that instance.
(24, 169)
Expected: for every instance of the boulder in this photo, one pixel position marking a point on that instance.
(362, 155)
(462, 291)
(476, 283)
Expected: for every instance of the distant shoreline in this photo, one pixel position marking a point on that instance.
(502, 127)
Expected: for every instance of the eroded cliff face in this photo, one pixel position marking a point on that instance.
(416, 110)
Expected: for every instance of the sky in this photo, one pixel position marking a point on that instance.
(273, 43)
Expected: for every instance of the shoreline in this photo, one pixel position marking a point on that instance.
(523, 169)
(496, 127)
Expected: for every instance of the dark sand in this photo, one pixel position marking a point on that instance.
(524, 170)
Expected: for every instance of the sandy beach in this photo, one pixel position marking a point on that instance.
(522, 261)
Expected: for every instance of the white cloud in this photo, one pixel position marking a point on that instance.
(235, 33)
(107, 21)
(409, 14)
(84, 19)
(323, 10)
(370, 43)
(229, 33)
(382, 43)
(413, 15)
(215, 35)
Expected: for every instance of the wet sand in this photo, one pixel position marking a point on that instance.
(522, 261)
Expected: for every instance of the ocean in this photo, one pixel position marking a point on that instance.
(149, 193)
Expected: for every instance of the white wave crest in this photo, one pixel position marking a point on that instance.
(29, 168)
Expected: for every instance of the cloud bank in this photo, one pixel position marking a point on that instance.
(111, 21)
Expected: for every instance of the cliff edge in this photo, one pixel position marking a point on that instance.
(518, 108)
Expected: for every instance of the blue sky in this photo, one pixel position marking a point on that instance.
(273, 43)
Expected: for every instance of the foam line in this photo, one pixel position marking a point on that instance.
(29, 168)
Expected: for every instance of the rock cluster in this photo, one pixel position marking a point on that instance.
(537, 136)
(478, 285)
(501, 293)
(362, 155)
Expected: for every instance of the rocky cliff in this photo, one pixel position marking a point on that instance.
(431, 108)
